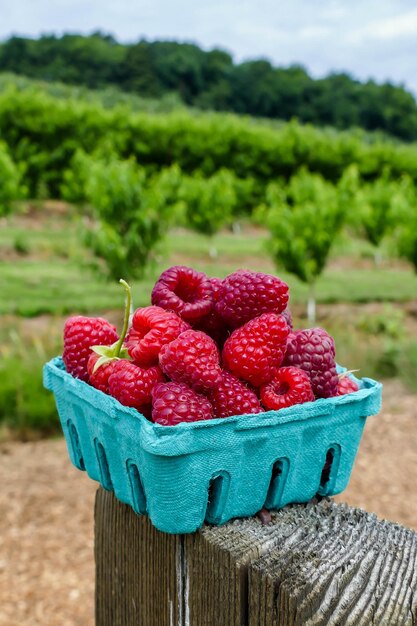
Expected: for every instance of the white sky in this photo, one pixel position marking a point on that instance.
(367, 38)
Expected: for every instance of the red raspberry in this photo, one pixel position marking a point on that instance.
(132, 385)
(80, 333)
(100, 378)
(288, 318)
(185, 291)
(289, 386)
(254, 351)
(212, 324)
(244, 295)
(193, 359)
(313, 351)
(233, 397)
(346, 385)
(152, 327)
(173, 403)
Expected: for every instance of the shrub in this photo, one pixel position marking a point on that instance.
(303, 219)
(11, 188)
(129, 213)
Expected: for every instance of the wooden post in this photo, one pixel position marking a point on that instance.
(318, 564)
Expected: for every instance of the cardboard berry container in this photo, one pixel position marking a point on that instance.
(214, 470)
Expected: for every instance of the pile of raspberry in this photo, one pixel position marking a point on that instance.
(206, 348)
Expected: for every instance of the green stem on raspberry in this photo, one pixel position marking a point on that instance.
(128, 304)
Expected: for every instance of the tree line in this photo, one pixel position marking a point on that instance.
(211, 80)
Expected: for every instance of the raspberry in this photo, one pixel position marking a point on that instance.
(193, 359)
(152, 327)
(233, 397)
(132, 385)
(185, 291)
(244, 295)
(80, 333)
(289, 386)
(313, 351)
(346, 385)
(254, 351)
(288, 318)
(212, 324)
(173, 403)
(100, 378)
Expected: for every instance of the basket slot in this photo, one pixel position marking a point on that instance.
(217, 495)
(329, 471)
(105, 478)
(276, 486)
(75, 445)
(138, 493)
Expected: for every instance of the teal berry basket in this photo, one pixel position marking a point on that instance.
(214, 470)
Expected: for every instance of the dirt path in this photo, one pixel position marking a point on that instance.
(46, 514)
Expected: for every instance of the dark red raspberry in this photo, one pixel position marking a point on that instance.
(132, 385)
(99, 378)
(288, 318)
(213, 324)
(233, 397)
(193, 359)
(346, 385)
(185, 291)
(173, 403)
(313, 351)
(80, 333)
(254, 351)
(244, 295)
(289, 386)
(152, 327)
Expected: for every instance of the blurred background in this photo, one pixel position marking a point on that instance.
(134, 137)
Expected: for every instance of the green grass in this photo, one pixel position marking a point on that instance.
(34, 287)
(54, 276)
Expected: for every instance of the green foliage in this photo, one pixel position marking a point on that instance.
(24, 404)
(303, 219)
(73, 187)
(21, 245)
(405, 213)
(211, 80)
(129, 216)
(10, 182)
(390, 323)
(208, 202)
(376, 201)
(44, 133)
(348, 190)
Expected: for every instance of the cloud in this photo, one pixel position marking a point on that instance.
(399, 26)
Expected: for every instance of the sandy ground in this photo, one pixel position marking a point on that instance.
(46, 514)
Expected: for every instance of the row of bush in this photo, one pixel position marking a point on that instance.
(132, 207)
(43, 133)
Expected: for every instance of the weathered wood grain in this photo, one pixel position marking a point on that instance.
(138, 569)
(321, 564)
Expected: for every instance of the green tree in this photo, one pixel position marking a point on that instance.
(405, 212)
(129, 217)
(211, 80)
(208, 203)
(11, 188)
(376, 201)
(303, 219)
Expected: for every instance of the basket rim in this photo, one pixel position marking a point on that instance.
(369, 389)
